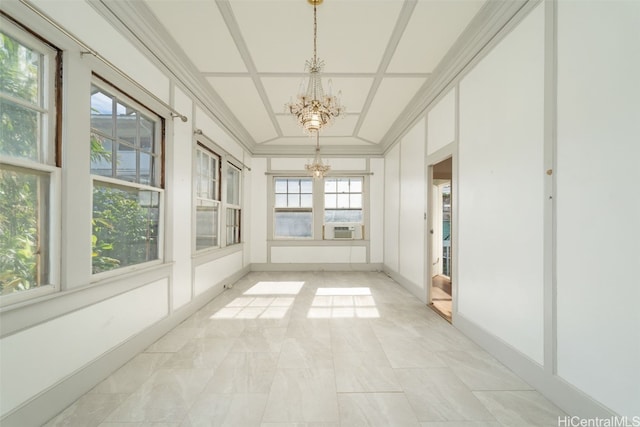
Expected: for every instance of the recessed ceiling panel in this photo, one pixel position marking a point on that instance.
(392, 97)
(282, 90)
(352, 35)
(343, 126)
(305, 140)
(432, 30)
(242, 98)
(201, 32)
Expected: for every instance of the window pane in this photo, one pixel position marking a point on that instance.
(127, 123)
(330, 185)
(356, 185)
(356, 201)
(206, 225)
(101, 154)
(19, 131)
(281, 200)
(126, 166)
(124, 227)
(343, 200)
(294, 186)
(233, 185)
(147, 131)
(306, 200)
(23, 230)
(330, 201)
(21, 68)
(343, 185)
(293, 200)
(293, 224)
(306, 185)
(344, 215)
(101, 112)
(281, 185)
(146, 169)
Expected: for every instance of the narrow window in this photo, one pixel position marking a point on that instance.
(126, 159)
(293, 212)
(343, 200)
(207, 199)
(233, 205)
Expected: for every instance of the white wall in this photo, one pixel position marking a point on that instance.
(441, 119)
(500, 196)
(376, 219)
(258, 237)
(412, 207)
(392, 208)
(598, 201)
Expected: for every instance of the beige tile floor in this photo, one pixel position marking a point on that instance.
(316, 350)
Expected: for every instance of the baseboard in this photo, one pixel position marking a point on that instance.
(416, 290)
(56, 398)
(316, 267)
(564, 395)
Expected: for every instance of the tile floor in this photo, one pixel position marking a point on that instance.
(316, 350)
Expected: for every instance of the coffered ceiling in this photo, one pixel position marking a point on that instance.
(247, 58)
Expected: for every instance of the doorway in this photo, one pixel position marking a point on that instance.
(441, 295)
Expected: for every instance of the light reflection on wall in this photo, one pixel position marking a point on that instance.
(334, 303)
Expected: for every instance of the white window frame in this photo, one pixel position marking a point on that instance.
(212, 154)
(46, 163)
(311, 209)
(361, 208)
(159, 179)
(234, 208)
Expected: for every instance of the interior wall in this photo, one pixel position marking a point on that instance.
(441, 119)
(500, 189)
(392, 208)
(598, 201)
(376, 216)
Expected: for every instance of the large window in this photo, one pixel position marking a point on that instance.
(293, 211)
(343, 200)
(29, 173)
(207, 183)
(126, 164)
(233, 205)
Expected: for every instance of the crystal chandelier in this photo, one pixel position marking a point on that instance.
(313, 108)
(317, 169)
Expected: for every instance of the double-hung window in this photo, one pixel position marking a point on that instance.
(126, 168)
(293, 208)
(343, 200)
(207, 182)
(233, 205)
(29, 169)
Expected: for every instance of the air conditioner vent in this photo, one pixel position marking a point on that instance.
(342, 232)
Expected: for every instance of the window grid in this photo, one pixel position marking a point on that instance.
(234, 211)
(293, 208)
(207, 183)
(343, 199)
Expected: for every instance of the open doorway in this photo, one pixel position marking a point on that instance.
(441, 295)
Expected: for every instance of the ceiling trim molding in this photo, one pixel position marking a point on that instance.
(401, 24)
(308, 151)
(136, 22)
(494, 20)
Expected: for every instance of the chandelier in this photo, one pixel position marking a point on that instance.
(313, 108)
(317, 169)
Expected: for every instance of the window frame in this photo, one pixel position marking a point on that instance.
(349, 193)
(233, 211)
(205, 149)
(120, 96)
(48, 158)
(311, 209)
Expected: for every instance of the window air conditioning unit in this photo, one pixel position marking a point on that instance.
(344, 231)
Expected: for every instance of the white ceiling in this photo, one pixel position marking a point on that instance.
(250, 55)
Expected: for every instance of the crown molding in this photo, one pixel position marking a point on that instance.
(309, 151)
(136, 22)
(483, 32)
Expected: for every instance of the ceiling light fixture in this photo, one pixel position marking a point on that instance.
(317, 169)
(313, 109)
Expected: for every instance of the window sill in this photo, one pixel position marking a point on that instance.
(207, 255)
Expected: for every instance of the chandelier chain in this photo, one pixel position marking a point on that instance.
(315, 35)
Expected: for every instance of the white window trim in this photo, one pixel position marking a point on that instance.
(313, 208)
(206, 148)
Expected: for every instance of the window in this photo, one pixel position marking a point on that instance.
(126, 164)
(207, 182)
(29, 173)
(233, 205)
(343, 200)
(293, 212)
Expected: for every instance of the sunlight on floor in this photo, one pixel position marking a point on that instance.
(262, 302)
(332, 303)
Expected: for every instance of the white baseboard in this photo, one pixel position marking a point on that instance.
(56, 398)
(564, 395)
(316, 267)
(417, 290)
